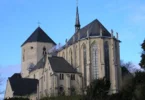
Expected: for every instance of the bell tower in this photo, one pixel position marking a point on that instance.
(33, 49)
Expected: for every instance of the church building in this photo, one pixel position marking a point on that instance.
(48, 69)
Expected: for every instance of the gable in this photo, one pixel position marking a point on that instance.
(59, 64)
(8, 92)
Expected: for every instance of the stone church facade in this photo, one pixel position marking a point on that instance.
(91, 53)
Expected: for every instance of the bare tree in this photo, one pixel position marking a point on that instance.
(129, 65)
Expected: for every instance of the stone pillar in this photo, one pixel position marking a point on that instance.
(80, 84)
(112, 67)
(88, 62)
(79, 57)
(101, 58)
(119, 67)
(38, 95)
(52, 85)
(55, 85)
(67, 82)
(47, 81)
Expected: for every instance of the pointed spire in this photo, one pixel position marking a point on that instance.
(77, 24)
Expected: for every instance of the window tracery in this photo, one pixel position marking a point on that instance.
(94, 61)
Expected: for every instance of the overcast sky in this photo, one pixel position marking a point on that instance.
(19, 18)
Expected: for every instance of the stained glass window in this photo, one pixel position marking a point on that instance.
(94, 61)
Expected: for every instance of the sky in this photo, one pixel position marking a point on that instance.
(19, 18)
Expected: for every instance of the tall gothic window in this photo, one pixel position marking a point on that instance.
(85, 64)
(71, 58)
(94, 61)
(106, 59)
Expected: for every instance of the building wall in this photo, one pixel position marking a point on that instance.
(31, 54)
(77, 59)
(45, 81)
(33, 97)
(36, 74)
(8, 92)
(50, 82)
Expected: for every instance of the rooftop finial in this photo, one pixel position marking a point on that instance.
(112, 32)
(77, 23)
(117, 35)
(39, 24)
(77, 3)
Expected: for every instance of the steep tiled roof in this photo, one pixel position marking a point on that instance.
(59, 64)
(93, 29)
(23, 86)
(16, 75)
(39, 36)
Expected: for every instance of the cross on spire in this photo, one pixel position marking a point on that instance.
(76, 2)
(38, 23)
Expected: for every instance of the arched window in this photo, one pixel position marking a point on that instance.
(61, 76)
(106, 60)
(44, 51)
(61, 90)
(94, 61)
(72, 90)
(71, 58)
(85, 64)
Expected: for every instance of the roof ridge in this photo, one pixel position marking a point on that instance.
(93, 29)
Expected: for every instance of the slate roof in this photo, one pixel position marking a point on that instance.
(39, 36)
(16, 75)
(94, 30)
(40, 64)
(59, 64)
(23, 86)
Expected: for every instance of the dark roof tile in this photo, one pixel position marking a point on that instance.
(39, 36)
(23, 86)
(40, 64)
(59, 64)
(94, 30)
